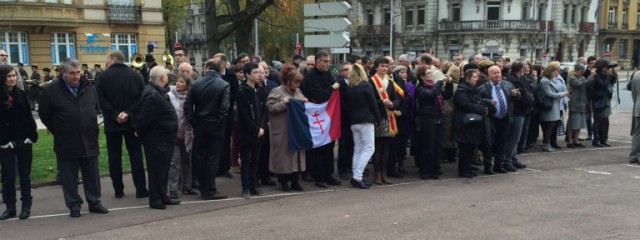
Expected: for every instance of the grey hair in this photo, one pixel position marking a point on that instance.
(404, 57)
(399, 68)
(156, 73)
(69, 62)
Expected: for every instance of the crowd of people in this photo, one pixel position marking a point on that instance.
(233, 118)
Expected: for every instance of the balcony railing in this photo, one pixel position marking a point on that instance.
(612, 24)
(490, 25)
(588, 27)
(373, 30)
(193, 38)
(125, 14)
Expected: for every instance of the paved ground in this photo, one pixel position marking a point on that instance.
(570, 194)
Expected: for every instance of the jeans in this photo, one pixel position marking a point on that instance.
(524, 136)
(363, 147)
(515, 130)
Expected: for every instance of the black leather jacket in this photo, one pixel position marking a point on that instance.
(207, 102)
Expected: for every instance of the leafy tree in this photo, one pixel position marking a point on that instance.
(226, 17)
(173, 12)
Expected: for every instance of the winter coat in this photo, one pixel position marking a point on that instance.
(467, 99)
(72, 120)
(282, 161)
(119, 88)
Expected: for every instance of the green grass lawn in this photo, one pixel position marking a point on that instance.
(44, 159)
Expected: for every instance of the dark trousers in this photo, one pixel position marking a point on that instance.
(158, 156)
(534, 128)
(225, 158)
(207, 150)
(263, 162)
(321, 160)
(398, 153)
(600, 128)
(345, 150)
(134, 148)
(250, 162)
(589, 124)
(24, 155)
(465, 154)
(68, 168)
(416, 144)
(500, 139)
(431, 134)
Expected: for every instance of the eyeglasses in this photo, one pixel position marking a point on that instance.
(345, 69)
(179, 55)
(4, 55)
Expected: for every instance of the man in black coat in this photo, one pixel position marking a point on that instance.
(317, 86)
(156, 123)
(345, 144)
(234, 86)
(206, 108)
(119, 88)
(69, 109)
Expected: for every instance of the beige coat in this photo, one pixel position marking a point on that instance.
(282, 161)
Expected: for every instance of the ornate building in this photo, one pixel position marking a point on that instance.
(515, 28)
(43, 32)
(193, 36)
(619, 31)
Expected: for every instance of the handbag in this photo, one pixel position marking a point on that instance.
(560, 129)
(471, 118)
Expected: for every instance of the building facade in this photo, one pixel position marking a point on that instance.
(516, 28)
(44, 32)
(192, 34)
(619, 31)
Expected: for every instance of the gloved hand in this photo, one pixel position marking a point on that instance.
(7, 146)
(28, 141)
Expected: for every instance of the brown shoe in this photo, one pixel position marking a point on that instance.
(383, 177)
(377, 178)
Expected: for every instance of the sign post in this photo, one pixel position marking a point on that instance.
(328, 31)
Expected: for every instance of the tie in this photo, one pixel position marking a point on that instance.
(501, 102)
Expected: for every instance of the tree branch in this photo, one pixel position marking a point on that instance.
(245, 17)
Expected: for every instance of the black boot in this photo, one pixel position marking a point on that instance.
(10, 212)
(26, 208)
(488, 169)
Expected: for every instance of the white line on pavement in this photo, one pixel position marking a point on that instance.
(580, 150)
(599, 172)
(528, 170)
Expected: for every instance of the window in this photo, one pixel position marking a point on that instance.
(638, 17)
(127, 43)
(369, 17)
(541, 13)
(455, 14)
(612, 16)
(15, 44)
(624, 17)
(421, 14)
(574, 15)
(387, 16)
(408, 14)
(565, 15)
(524, 49)
(58, 1)
(623, 48)
(493, 11)
(62, 46)
(525, 12)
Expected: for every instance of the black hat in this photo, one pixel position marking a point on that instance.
(34, 66)
(297, 56)
(97, 65)
(20, 64)
(601, 63)
(46, 70)
(149, 58)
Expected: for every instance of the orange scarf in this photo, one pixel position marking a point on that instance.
(382, 92)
